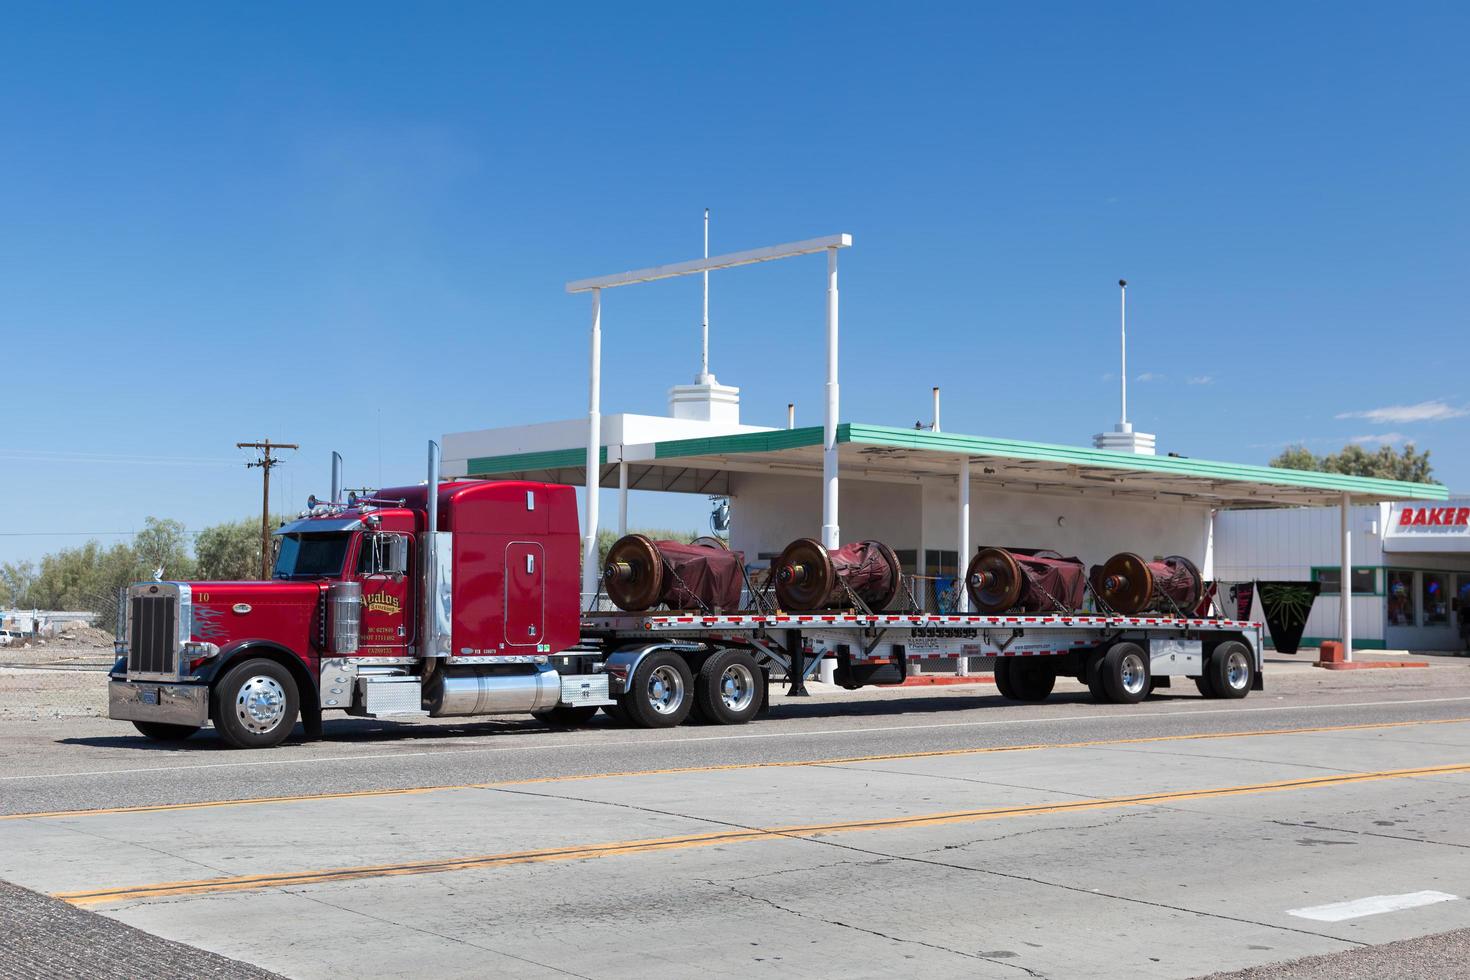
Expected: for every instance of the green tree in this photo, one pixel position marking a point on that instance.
(1387, 463)
(230, 551)
(15, 583)
(89, 577)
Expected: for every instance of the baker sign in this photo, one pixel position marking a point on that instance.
(1426, 517)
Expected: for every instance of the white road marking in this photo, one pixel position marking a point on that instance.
(589, 743)
(1372, 905)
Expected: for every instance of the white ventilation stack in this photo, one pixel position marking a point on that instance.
(1123, 439)
(706, 400)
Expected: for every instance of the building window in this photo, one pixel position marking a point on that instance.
(1365, 581)
(1436, 599)
(1462, 598)
(1401, 598)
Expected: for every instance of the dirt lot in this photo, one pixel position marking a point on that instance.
(57, 678)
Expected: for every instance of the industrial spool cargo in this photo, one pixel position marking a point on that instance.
(460, 598)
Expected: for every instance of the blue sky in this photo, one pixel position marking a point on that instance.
(349, 225)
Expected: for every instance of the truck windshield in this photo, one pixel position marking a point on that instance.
(311, 555)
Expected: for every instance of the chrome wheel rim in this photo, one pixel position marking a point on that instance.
(1134, 676)
(260, 704)
(737, 687)
(665, 690)
(1237, 670)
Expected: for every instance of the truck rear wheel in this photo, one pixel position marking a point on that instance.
(255, 704)
(1125, 673)
(729, 688)
(1231, 670)
(1029, 679)
(160, 732)
(660, 692)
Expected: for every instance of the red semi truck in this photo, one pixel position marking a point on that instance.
(463, 600)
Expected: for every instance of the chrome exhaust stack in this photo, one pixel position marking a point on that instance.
(434, 624)
(336, 497)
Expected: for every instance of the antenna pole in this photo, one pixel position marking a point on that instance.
(704, 331)
(1123, 340)
(266, 462)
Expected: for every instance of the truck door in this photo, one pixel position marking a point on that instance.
(387, 596)
(525, 593)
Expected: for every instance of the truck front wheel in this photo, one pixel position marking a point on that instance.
(255, 705)
(660, 692)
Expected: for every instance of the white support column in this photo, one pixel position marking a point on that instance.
(622, 497)
(1345, 614)
(590, 572)
(830, 532)
(962, 602)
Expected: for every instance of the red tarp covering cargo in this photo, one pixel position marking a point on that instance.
(640, 573)
(808, 576)
(1000, 580)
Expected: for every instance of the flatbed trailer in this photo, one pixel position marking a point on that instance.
(1121, 658)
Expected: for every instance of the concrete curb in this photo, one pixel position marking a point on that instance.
(1372, 664)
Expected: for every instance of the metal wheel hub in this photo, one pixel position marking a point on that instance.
(665, 690)
(737, 687)
(1237, 670)
(1134, 675)
(260, 704)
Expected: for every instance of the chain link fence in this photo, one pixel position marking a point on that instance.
(63, 676)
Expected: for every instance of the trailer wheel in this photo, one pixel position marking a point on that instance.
(616, 713)
(255, 705)
(1125, 673)
(660, 691)
(566, 715)
(1231, 670)
(1094, 678)
(160, 732)
(728, 690)
(1029, 679)
(1003, 678)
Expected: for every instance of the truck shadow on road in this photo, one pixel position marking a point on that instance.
(366, 730)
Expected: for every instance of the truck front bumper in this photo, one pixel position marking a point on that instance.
(169, 704)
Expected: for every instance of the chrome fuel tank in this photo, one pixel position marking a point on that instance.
(484, 691)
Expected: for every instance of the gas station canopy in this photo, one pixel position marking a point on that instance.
(888, 454)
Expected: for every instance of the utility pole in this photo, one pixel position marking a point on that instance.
(266, 462)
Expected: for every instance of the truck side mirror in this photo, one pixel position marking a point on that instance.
(396, 558)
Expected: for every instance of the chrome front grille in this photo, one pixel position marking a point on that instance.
(153, 634)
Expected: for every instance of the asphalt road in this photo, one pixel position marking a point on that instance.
(921, 830)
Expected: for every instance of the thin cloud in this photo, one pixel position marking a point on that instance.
(1148, 376)
(1437, 410)
(1201, 379)
(1382, 439)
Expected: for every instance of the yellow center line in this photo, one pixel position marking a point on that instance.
(738, 835)
(727, 767)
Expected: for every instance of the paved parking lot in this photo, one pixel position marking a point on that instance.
(933, 830)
